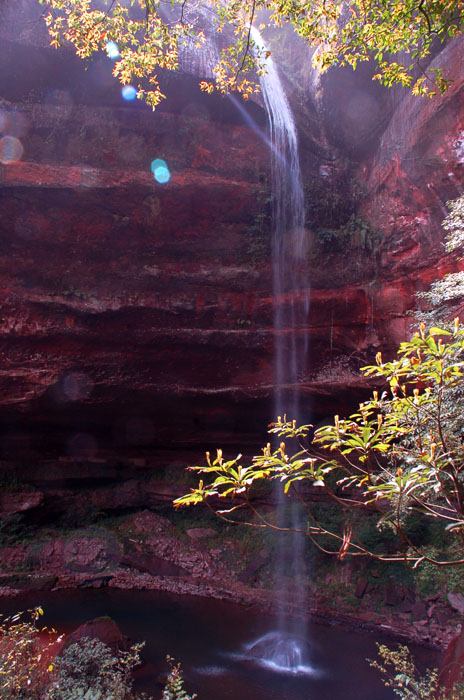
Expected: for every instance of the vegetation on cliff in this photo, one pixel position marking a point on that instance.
(450, 288)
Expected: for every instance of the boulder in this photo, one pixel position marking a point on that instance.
(452, 667)
(406, 606)
(198, 533)
(361, 587)
(442, 615)
(151, 564)
(456, 600)
(150, 523)
(44, 582)
(95, 582)
(393, 594)
(14, 502)
(419, 611)
(103, 628)
(91, 553)
(252, 570)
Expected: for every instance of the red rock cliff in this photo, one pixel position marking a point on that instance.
(136, 314)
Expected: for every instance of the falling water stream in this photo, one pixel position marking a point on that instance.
(285, 648)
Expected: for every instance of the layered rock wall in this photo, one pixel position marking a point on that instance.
(137, 315)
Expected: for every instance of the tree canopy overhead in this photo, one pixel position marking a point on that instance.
(145, 36)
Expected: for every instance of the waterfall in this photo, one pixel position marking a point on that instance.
(284, 648)
(289, 253)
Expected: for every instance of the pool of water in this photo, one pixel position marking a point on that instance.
(212, 640)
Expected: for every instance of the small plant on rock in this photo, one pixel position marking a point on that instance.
(174, 689)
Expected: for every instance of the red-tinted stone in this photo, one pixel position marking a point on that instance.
(452, 668)
(136, 316)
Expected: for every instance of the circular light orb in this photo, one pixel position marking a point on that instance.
(162, 175)
(160, 171)
(129, 92)
(112, 50)
(11, 150)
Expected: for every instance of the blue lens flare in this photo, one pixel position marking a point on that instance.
(160, 171)
(158, 163)
(129, 92)
(162, 175)
(11, 150)
(112, 50)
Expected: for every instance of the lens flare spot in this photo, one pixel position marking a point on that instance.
(129, 92)
(158, 163)
(11, 150)
(162, 175)
(112, 50)
(160, 171)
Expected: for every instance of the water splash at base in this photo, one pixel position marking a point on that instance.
(281, 652)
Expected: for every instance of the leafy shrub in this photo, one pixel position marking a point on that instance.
(23, 673)
(86, 670)
(400, 673)
(354, 233)
(91, 670)
(14, 530)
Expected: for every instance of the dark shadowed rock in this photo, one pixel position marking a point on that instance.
(95, 582)
(15, 502)
(44, 582)
(393, 594)
(253, 568)
(91, 554)
(452, 667)
(103, 628)
(456, 600)
(442, 615)
(152, 564)
(406, 606)
(361, 587)
(199, 533)
(419, 611)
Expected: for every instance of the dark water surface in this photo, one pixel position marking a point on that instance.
(210, 637)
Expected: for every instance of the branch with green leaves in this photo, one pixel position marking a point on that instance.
(397, 35)
(400, 453)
